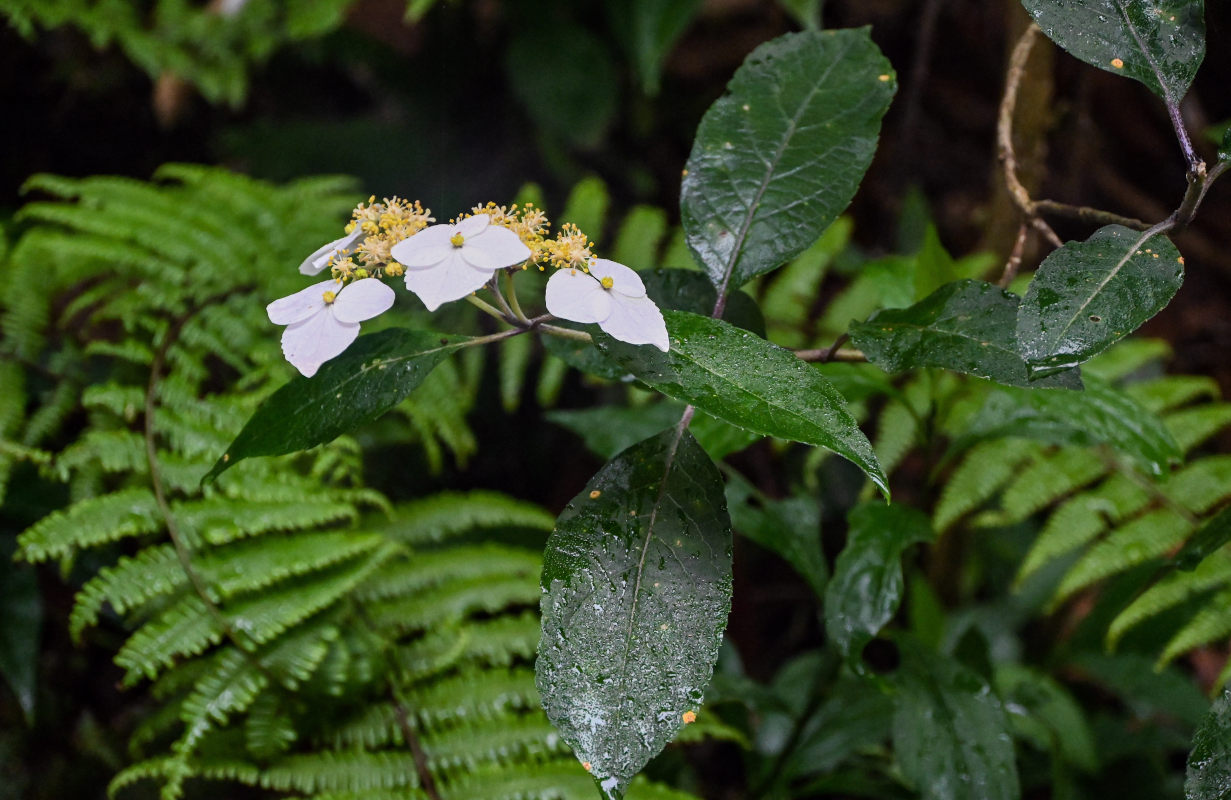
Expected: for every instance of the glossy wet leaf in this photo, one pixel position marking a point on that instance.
(1160, 43)
(1042, 711)
(791, 528)
(1210, 537)
(1209, 763)
(965, 326)
(375, 374)
(636, 589)
(867, 583)
(1088, 295)
(780, 155)
(1099, 415)
(743, 379)
(1224, 150)
(950, 734)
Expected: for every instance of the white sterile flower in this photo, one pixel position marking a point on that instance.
(323, 319)
(448, 262)
(612, 295)
(315, 263)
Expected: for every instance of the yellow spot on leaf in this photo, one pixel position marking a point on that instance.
(594, 495)
(586, 766)
(883, 78)
(690, 717)
(1117, 63)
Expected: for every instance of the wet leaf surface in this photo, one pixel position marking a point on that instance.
(1160, 43)
(867, 583)
(636, 590)
(1209, 763)
(1088, 295)
(966, 326)
(739, 377)
(1099, 415)
(780, 155)
(375, 374)
(790, 527)
(950, 734)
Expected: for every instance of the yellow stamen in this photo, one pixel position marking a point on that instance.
(457, 240)
(329, 297)
(607, 282)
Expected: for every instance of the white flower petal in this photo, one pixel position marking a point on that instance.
(452, 279)
(625, 281)
(362, 300)
(636, 320)
(494, 248)
(425, 248)
(301, 305)
(315, 263)
(472, 226)
(315, 340)
(573, 295)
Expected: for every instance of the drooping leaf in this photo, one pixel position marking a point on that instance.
(1209, 762)
(1099, 415)
(1211, 536)
(636, 589)
(1160, 43)
(791, 528)
(21, 608)
(950, 734)
(743, 379)
(965, 326)
(609, 429)
(781, 154)
(648, 29)
(688, 290)
(1088, 295)
(373, 376)
(867, 579)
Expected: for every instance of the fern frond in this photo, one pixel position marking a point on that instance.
(454, 601)
(1081, 519)
(515, 739)
(1178, 587)
(1147, 537)
(1127, 357)
(1201, 485)
(983, 471)
(217, 522)
(251, 565)
(91, 522)
(1047, 480)
(442, 516)
(131, 582)
(269, 731)
(1190, 427)
(1172, 391)
(467, 563)
(897, 431)
(112, 451)
(474, 694)
(327, 771)
(1211, 623)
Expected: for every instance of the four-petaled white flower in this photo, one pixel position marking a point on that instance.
(448, 262)
(323, 319)
(315, 263)
(612, 295)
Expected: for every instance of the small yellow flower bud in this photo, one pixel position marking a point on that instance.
(395, 270)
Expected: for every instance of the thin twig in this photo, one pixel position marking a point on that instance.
(1004, 135)
(1015, 258)
(1094, 216)
(1195, 164)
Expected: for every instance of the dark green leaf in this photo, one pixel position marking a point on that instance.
(1099, 415)
(375, 374)
(858, 715)
(1088, 295)
(1043, 711)
(21, 609)
(1209, 763)
(1158, 42)
(1145, 690)
(791, 528)
(1212, 536)
(609, 429)
(648, 29)
(581, 355)
(1224, 151)
(745, 380)
(686, 290)
(781, 154)
(636, 589)
(965, 326)
(577, 105)
(867, 577)
(950, 733)
(806, 12)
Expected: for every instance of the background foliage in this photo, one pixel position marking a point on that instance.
(1048, 618)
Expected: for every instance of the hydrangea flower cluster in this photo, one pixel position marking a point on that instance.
(450, 261)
